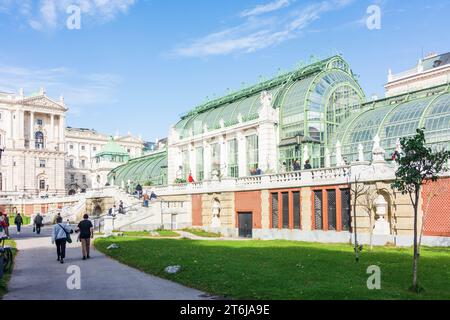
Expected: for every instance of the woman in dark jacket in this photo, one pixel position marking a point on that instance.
(18, 221)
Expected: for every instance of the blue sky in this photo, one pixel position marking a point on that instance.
(136, 65)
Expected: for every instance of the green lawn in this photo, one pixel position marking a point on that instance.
(26, 220)
(285, 270)
(202, 233)
(162, 233)
(6, 277)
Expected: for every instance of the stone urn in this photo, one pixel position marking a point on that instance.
(382, 226)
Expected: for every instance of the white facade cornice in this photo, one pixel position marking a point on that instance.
(216, 133)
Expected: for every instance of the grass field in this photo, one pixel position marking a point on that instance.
(6, 277)
(202, 233)
(162, 233)
(285, 270)
(26, 220)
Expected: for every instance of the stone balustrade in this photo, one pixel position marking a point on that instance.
(337, 175)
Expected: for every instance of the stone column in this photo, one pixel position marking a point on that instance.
(267, 134)
(32, 142)
(10, 129)
(223, 157)
(51, 136)
(62, 127)
(207, 160)
(192, 161)
(242, 154)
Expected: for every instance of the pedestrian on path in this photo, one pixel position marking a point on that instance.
(2, 223)
(146, 199)
(18, 221)
(121, 208)
(38, 223)
(7, 224)
(59, 236)
(86, 230)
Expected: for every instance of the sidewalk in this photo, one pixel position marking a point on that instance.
(38, 276)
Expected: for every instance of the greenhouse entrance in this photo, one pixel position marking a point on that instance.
(245, 224)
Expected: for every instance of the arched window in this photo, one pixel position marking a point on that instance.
(39, 140)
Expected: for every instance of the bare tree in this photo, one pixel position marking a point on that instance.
(358, 190)
(368, 198)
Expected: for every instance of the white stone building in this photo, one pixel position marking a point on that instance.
(433, 70)
(82, 146)
(227, 151)
(32, 136)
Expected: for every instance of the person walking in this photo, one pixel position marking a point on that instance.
(59, 237)
(146, 199)
(55, 220)
(2, 223)
(18, 221)
(86, 230)
(7, 225)
(139, 190)
(121, 208)
(38, 223)
(112, 211)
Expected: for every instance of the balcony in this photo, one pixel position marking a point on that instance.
(328, 176)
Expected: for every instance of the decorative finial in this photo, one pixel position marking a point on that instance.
(42, 91)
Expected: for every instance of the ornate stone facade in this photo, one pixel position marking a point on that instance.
(82, 146)
(32, 135)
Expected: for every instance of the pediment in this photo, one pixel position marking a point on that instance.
(44, 102)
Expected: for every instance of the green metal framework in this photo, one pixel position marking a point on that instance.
(397, 117)
(318, 105)
(312, 100)
(150, 168)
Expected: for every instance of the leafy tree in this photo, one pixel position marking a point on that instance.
(417, 164)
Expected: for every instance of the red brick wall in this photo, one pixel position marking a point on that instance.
(249, 202)
(436, 208)
(29, 209)
(197, 210)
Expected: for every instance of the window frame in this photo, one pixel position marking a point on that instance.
(290, 205)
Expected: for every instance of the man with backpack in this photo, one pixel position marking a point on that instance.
(18, 221)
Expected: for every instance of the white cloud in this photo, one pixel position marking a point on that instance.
(266, 8)
(79, 89)
(51, 14)
(256, 33)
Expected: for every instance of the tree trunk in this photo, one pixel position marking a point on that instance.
(371, 231)
(416, 247)
(355, 232)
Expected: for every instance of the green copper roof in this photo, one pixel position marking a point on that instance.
(150, 168)
(299, 94)
(112, 148)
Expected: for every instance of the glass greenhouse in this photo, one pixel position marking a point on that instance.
(397, 117)
(147, 170)
(319, 105)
